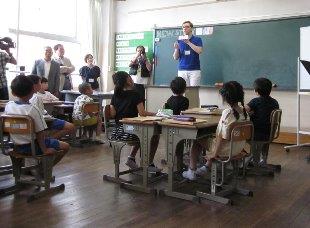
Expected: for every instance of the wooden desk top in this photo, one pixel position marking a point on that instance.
(142, 120)
(58, 102)
(64, 106)
(95, 93)
(201, 123)
(203, 111)
(52, 102)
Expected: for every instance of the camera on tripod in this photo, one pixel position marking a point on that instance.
(6, 43)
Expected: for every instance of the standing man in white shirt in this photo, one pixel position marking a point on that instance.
(50, 69)
(66, 68)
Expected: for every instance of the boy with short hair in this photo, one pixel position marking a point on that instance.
(62, 127)
(22, 87)
(44, 93)
(260, 109)
(177, 102)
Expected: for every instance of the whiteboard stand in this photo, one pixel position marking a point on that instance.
(299, 132)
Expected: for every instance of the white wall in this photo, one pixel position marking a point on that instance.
(135, 15)
(141, 15)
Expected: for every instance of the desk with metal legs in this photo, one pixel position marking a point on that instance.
(173, 134)
(144, 131)
(71, 95)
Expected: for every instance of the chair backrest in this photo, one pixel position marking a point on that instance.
(17, 124)
(240, 131)
(89, 108)
(109, 122)
(275, 120)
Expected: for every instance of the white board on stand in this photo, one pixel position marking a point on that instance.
(304, 55)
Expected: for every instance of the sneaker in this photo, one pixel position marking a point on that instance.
(98, 139)
(202, 170)
(189, 174)
(262, 163)
(131, 163)
(153, 169)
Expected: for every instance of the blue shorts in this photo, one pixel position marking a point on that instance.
(49, 143)
(58, 124)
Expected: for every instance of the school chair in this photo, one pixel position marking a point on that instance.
(6, 169)
(266, 169)
(109, 123)
(117, 146)
(23, 125)
(239, 131)
(6, 146)
(90, 124)
(182, 151)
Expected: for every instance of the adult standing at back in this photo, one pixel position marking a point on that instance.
(90, 73)
(143, 70)
(5, 57)
(187, 50)
(66, 68)
(48, 68)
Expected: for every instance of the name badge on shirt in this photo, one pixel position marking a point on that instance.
(91, 80)
(188, 52)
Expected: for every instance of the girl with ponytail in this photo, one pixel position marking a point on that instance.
(127, 103)
(232, 93)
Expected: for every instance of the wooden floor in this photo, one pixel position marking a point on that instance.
(282, 201)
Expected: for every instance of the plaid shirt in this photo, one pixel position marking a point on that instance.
(4, 59)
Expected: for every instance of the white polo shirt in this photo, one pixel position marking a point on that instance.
(16, 108)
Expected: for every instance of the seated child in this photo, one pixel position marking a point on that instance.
(260, 109)
(22, 87)
(177, 102)
(45, 95)
(232, 93)
(89, 120)
(61, 127)
(126, 103)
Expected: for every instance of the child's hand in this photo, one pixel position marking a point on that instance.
(93, 114)
(49, 151)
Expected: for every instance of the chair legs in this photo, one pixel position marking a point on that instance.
(47, 163)
(117, 149)
(219, 190)
(259, 169)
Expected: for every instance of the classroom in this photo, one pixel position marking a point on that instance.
(125, 157)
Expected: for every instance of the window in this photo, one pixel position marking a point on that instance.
(46, 23)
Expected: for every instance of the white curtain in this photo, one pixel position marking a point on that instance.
(95, 12)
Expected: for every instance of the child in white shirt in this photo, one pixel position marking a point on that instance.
(232, 93)
(44, 94)
(22, 87)
(61, 127)
(78, 116)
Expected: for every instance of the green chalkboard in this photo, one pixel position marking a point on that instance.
(239, 52)
(125, 47)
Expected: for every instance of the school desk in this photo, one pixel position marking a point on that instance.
(71, 95)
(173, 133)
(144, 128)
